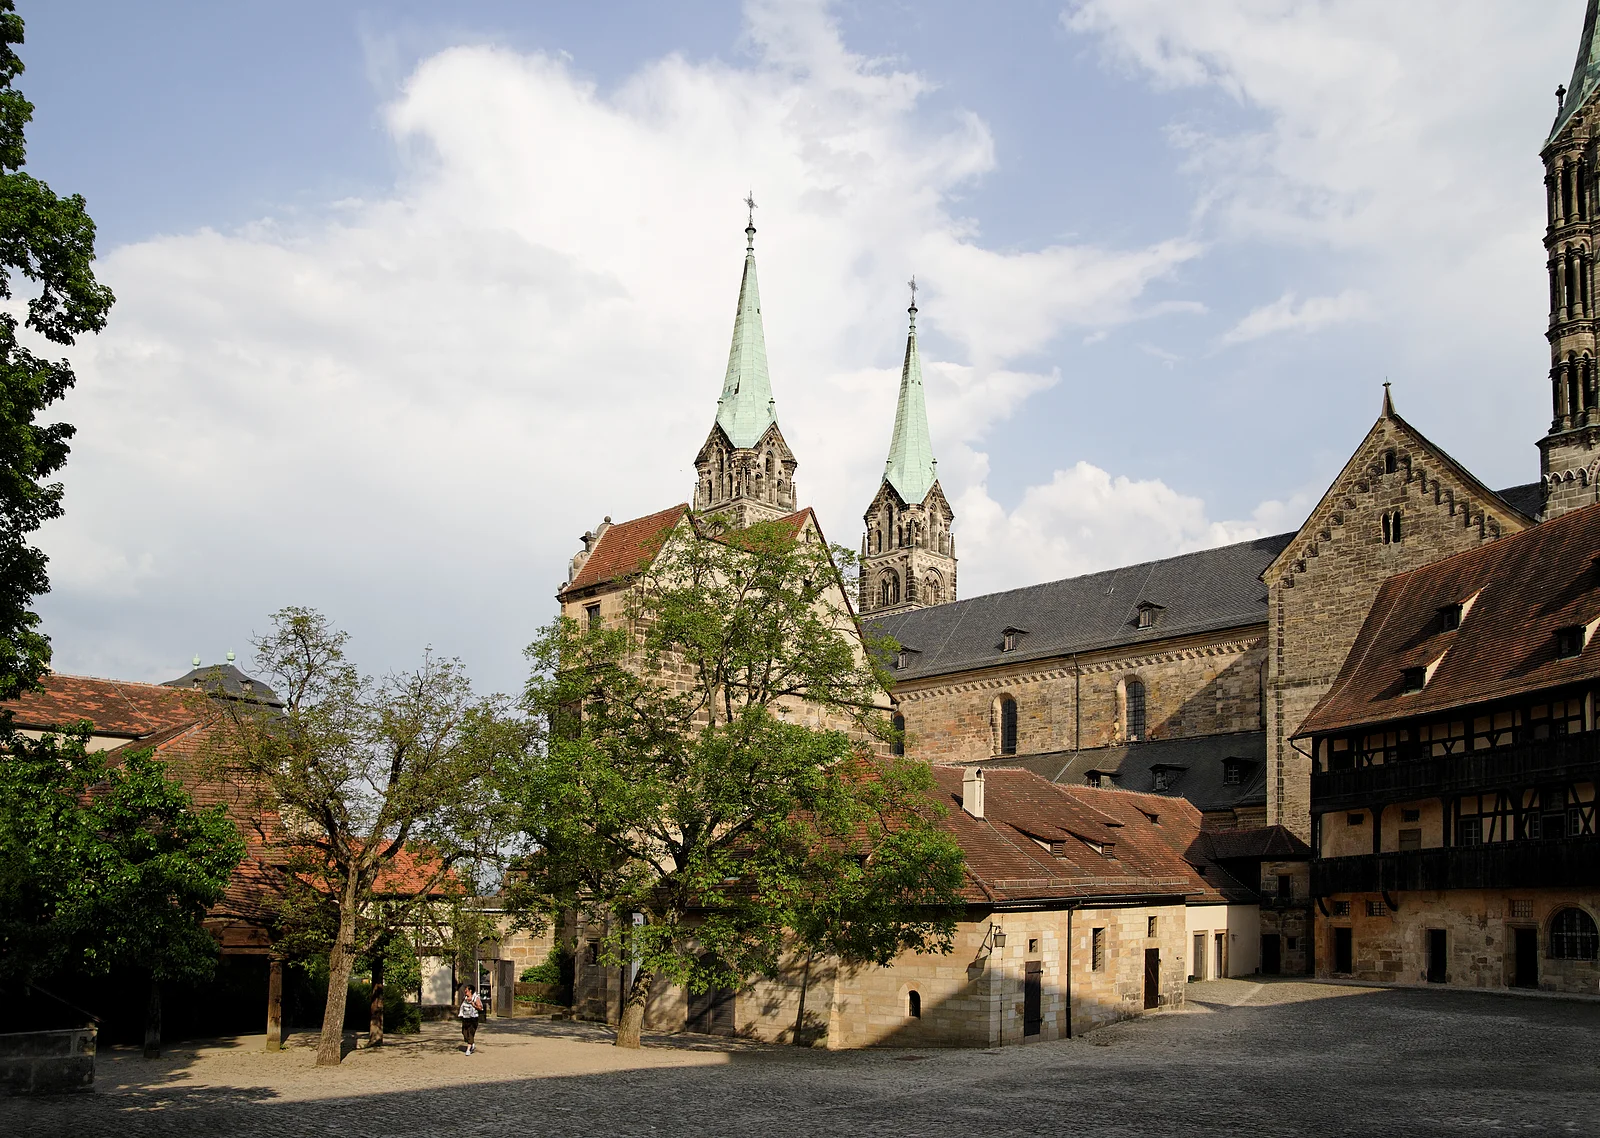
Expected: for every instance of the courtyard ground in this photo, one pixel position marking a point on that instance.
(1278, 1058)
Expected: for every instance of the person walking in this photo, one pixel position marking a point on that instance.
(471, 1008)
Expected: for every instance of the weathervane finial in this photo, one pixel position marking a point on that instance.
(912, 285)
(750, 226)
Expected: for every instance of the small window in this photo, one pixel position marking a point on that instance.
(1232, 772)
(594, 952)
(591, 616)
(1092, 779)
(1341, 908)
(1410, 815)
(1521, 910)
(1569, 641)
(1391, 527)
(1161, 779)
(1391, 462)
(1135, 697)
(1009, 639)
(1033, 945)
(1413, 679)
(1154, 819)
(1355, 819)
(914, 1004)
(1147, 617)
(1450, 617)
(1377, 909)
(1469, 832)
(1008, 725)
(1154, 923)
(899, 745)
(1285, 887)
(1410, 840)
(1291, 943)
(900, 659)
(1573, 936)
(1097, 949)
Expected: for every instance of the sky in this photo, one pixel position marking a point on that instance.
(410, 295)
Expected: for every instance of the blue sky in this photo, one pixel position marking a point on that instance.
(408, 301)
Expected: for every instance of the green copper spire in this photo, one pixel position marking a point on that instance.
(911, 468)
(1585, 73)
(746, 409)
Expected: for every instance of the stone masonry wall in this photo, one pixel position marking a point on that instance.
(1198, 685)
(1479, 937)
(1323, 585)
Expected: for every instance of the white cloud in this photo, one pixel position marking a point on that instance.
(1311, 315)
(405, 411)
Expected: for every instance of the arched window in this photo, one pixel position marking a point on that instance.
(1135, 699)
(930, 589)
(899, 734)
(914, 1004)
(889, 589)
(1573, 936)
(1391, 527)
(1008, 725)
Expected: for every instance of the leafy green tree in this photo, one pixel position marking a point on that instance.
(382, 784)
(705, 766)
(107, 866)
(49, 241)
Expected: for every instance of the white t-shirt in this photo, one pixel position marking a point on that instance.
(469, 1007)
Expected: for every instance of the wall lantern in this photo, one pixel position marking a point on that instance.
(997, 936)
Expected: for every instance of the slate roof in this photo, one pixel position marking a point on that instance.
(626, 547)
(1195, 768)
(1526, 499)
(227, 682)
(1137, 857)
(1205, 591)
(1528, 585)
(1262, 843)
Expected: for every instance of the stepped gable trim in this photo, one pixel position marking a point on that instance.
(1528, 585)
(625, 549)
(1486, 505)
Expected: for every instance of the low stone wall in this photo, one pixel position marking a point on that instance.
(47, 1062)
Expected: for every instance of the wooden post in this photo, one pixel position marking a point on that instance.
(152, 1021)
(275, 1005)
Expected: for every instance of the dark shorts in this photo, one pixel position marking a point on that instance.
(469, 1029)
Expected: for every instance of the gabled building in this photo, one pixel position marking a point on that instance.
(1455, 766)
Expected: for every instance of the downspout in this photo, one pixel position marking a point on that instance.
(1077, 716)
(1311, 909)
(1068, 976)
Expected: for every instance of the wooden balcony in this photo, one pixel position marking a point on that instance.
(1566, 758)
(1561, 862)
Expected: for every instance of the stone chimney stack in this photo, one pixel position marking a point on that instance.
(972, 792)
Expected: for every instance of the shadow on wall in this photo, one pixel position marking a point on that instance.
(1232, 701)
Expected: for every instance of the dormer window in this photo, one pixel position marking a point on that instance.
(1010, 638)
(1092, 779)
(1146, 615)
(1164, 778)
(1569, 641)
(1232, 772)
(1413, 679)
(900, 659)
(1450, 617)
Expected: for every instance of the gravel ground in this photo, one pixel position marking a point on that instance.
(1279, 1058)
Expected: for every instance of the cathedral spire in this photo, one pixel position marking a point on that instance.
(1585, 72)
(746, 408)
(911, 468)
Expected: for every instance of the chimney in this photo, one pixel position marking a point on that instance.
(972, 792)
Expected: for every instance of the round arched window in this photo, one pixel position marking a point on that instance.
(1573, 936)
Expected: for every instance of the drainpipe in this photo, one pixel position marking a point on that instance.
(1068, 971)
(1077, 708)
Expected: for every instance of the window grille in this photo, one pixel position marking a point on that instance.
(1354, 819)
(1521, 910)
(1341, 908)
(1377, 909)
(1135, 697)
(1470, 832)
(1410, 815)
(1154, 924)
(1097, 950)
(591, 616)
(1232, 772)
(1573, 936)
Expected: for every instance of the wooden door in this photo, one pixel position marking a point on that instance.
(1271, 954)
(1197, 966)
(1152, 977)
(505, 987)
(1437, 960)
(711, 1012)
(1527, 962)
(1220, 961)
(1033, 997)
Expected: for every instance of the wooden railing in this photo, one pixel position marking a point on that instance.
(1561, 862)
(1566, 758)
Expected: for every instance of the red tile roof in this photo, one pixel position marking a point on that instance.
(115, 707)
(1527, 586)
(626, 548)
(1148, 845)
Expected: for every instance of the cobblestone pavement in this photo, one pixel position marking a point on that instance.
(1279, 1058)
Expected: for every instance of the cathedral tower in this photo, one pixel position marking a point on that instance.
(908, 555)
(745, 471)
(1569, 456)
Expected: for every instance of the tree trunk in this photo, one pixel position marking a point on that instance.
(800, 1016)
(152, 1021)
(341, 962)
(375, 1017)
(632, 1021)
